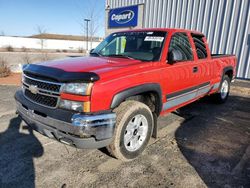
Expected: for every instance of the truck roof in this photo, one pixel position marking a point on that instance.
(165, 29)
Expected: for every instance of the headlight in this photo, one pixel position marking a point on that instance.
(71, 105)
(77, 88)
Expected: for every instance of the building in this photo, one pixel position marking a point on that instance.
(48, 41)
(226, 23)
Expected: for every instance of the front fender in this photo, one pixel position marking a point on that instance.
(136, 90)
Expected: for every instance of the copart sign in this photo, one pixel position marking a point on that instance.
(123, 17)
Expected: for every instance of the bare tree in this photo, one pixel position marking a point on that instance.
(96, 19)
(94, 24)
(26, 59)
(41, 30)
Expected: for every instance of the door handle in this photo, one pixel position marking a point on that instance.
(195, 69)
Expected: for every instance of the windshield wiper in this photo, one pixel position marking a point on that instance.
(120, 55)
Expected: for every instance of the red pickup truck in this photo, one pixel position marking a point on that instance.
(112, 98)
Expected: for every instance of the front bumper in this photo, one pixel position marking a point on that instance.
(84, 131)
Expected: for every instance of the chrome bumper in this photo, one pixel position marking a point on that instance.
(85, 131)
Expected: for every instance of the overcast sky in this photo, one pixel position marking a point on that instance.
(21, 17)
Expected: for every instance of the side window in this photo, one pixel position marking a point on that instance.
(200, 46)
(180, 42)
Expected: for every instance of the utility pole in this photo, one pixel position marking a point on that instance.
(87, 33)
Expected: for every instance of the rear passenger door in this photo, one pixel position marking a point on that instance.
(202, 57)
(203, 62)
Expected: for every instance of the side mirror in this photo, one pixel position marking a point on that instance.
(174, 55)
(91, 50)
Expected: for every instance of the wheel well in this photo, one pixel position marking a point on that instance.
(229, 73)
(151, 99)
(150, 94)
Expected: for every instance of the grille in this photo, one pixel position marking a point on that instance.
(42, 85)
(41, 99)
(46, 93)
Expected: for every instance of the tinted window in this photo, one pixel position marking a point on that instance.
(200, 46)
(180, 42)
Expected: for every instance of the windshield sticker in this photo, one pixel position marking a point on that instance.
(152, 38)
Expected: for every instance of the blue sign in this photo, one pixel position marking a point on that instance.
(123, 17)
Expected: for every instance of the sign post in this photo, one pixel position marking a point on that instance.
(87, 33)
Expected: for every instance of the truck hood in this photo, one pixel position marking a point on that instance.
(78, 69)
(89, 64)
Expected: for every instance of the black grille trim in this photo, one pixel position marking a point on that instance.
(41, 99)
(47, 93)
(42, 85)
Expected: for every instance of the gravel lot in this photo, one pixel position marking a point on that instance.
(209, 146)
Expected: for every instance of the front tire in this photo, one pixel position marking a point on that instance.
(222, 95)
(134, 124)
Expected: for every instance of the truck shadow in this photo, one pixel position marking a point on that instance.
(17, 151)
(216, 141)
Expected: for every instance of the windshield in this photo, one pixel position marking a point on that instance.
(145, 46)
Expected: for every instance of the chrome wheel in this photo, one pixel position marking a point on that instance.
(136, 132)
(224, 89)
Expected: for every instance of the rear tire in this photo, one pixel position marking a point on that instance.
(222, 95)
(134, 125)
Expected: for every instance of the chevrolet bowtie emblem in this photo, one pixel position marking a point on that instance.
(33, 89)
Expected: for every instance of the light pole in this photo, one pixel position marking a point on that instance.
(87, 32)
